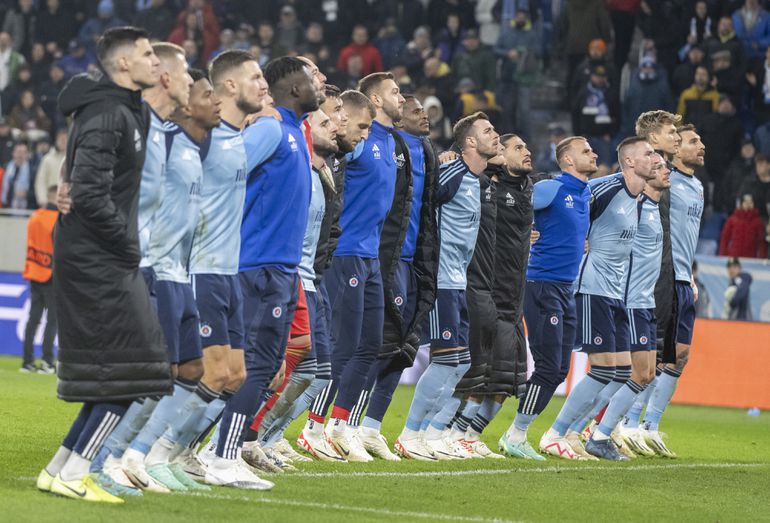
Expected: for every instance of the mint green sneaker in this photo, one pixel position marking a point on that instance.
(521, 450)
(113, 487)
(184, 479)
(163, 475)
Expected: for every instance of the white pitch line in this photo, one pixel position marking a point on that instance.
(540, 470)
(350, 508)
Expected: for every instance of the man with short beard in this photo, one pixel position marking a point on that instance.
(458, 194)
(409, 261)
(354, 280)
(496, 280)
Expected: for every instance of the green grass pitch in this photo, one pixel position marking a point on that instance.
(723, 474)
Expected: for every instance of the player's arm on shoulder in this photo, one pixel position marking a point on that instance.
(543, 193)
(449, 179)
(261, 140)
(96, 152)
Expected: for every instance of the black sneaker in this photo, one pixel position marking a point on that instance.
(46, 368)
(28, 368)
(604, 449)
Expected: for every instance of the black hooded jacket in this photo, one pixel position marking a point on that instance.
(665, 294)
(330, 226)
(111, 345)
(401, 342)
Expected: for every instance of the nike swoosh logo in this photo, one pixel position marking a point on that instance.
(81, 494)
(346, 452)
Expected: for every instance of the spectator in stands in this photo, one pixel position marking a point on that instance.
(289, 33)
(663, 22)
(226, 41)
(391, 45)
(476, 61)
(518, 49)
(722, 134)
(701, 25)
(595, 113)
(198, 23)
(699, 99)
(759, 186)
(268, 46)
(703, 303)
(55, 25)
(623, 17)
(439, 12)
(585, 20)
(440, 125)
(38, 271)
(418, 50)
(744, 232)
(158, 19)
(243, 37)
(6, 148)
(597, 55)
(360, 46)
(316, 46)
(449, 40)
(759, 88)
(50, 167)
(17, 181)
(29, 118)
(726, 40)
(488, 16)
(39, 63)
(740, 171)
(648, 91)
(752, 27)
(12, 93)
(49, 94)
(546, 158)
(10, 60)
(438, 81)
(77, 59)
(738, 293)
(684, 74)
(20, 24)
(94, 27)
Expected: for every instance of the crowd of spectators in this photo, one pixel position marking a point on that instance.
(707, 60)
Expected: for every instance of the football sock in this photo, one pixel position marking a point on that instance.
(449, 402)
(59, 459)
(130, 425)
(76, 467)
(486, 413)
(297, 385)
(430, 386)
(661, 397)
(212, 414)
(467, 415)
(619, 404)
(582, 397)
(622, 375)
(634, 414)
(164, 414)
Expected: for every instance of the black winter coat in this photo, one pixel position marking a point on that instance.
(110, 344)
(665, 293)
(330, 226)
(401, 342)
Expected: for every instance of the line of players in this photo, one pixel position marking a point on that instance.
(301, 254)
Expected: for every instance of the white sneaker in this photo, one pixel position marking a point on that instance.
(620, 443)
(460, 447)
(133, 466)
(278, 461)
(207, 453)
(234, 473)
(285, 449)
(112, 467)
(655, 441)
(191, 464)
(255, 458)
(635, 441)
(441, 449)
(479, 449)
(318, 446)
(414, 449)
(376, 445)
(555, 445)
(347, 447)
(578, 447)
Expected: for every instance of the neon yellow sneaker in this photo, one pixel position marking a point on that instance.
(85, 489)
(44, 480)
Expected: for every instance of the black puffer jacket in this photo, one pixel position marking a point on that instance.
(482, 315)
(111, 346)
(401, 343)
(330, 226)
(507, 373)
(665, 294)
